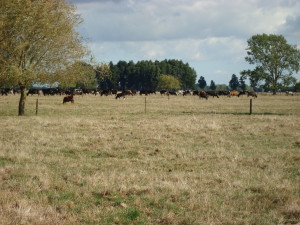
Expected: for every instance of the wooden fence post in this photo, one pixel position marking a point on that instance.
(37, 107)
(145, 103)
(250, 106)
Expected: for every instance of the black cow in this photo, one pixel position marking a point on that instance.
(34, 92)
(119, 95)
(252, 93)
(68, 99)
(213, 93)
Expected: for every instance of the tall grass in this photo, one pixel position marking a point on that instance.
(185, 161)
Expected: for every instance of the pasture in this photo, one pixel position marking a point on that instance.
(185, 161)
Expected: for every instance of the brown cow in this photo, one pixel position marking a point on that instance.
(203, 94)
(233, 93)
(68, 99)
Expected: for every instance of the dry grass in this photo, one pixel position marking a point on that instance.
(185, 161)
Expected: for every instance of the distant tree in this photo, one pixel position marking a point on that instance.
(254, 76)
(234, 82)
(104, 75)
(39, 43)
(297, 87)
(288, 83)
(201, 82)
(88, 74)
(222, 87)
(212, 86)
(168, 82)
(242, 84)
(275, 57)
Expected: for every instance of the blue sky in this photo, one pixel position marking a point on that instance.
(210, 35)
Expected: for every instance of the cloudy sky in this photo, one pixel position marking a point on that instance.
(210, 35)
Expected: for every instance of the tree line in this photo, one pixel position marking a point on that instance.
(39, 44)
(145, 74)
(235, 83)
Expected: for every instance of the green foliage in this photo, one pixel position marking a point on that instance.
(297, 87)
(222, 87)
(212, 86)
(144, 74)
(168, 82)
(234, 82)
(275, 61)
(242, 84)
(38, 43)
(201, 82)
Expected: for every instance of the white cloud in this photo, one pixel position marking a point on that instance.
(205, 33)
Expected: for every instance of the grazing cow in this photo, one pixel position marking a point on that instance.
(213, 93)
(105, 92)
(34, 92)
(224, 93)
(289, 93)
(203, 94)
(163, 92)
(242, 93)
(114, 91)
(4, 91)
(252, 93)
(233, 93)
(119, 95)
(147, 92)
(196, 92)
(68, 99)
(187, 92)
(127, 92)
(171, 93)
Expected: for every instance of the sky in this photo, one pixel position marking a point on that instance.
(210, 35)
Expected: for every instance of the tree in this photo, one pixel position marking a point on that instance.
(168, 82)
(201, 82)
(242, 84)
(39, 43)
(222, 87)
(254, 76)
(234, 82)
(103, 75)
(88, 74)
(274, 57)
(297, 87)
(212, 86)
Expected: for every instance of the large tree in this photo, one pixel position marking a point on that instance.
(275, 60)
(234, 82)
(212, 85)
(39, 43)
(201, 82)
(168, 82)
(242, 83)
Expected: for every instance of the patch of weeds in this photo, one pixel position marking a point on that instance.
(149, 202)
(5, 161)
(291, 216)
(69, 153)
(293, 172)
(129, 215)
(104, 155)
(59, 196)
(115, 198)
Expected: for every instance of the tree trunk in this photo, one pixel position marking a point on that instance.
(22, 101)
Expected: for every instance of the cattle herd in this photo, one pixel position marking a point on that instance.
(69, 93)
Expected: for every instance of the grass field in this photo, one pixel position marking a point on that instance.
(185, 161)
